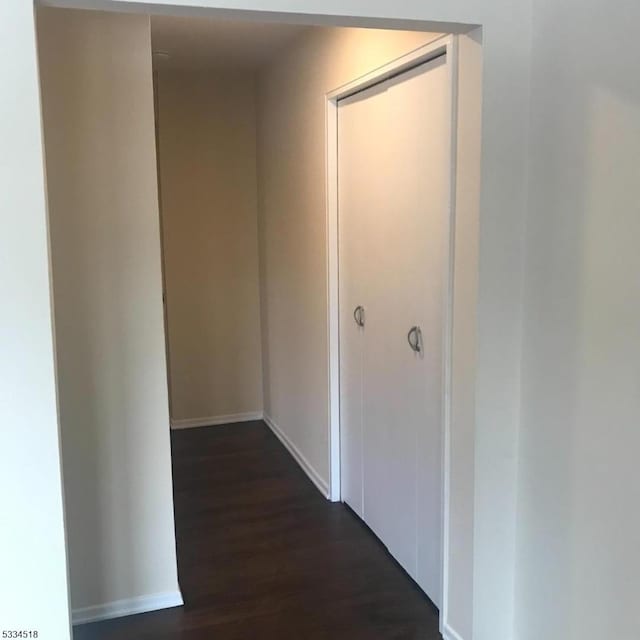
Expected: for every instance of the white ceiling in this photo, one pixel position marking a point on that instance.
(201, 43)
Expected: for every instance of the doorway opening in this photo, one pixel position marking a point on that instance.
(252, 167)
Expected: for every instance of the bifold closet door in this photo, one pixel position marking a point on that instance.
(393, 214)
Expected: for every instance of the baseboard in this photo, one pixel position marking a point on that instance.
(306, 466)
(212, 421)
(128, 607)
(449, 634)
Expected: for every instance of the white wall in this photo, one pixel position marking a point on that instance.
(33, 578)
(459, 539)
(506, 56)
(579, 490)
(103, 207)
(207, 151)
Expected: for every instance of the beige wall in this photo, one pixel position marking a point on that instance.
(207, 147)
(99, 141)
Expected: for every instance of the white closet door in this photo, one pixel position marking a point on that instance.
(358, 170)
(394, 208)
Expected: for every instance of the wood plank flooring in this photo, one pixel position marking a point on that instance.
(262, 555)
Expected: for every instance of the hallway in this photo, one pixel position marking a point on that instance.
(262, 555)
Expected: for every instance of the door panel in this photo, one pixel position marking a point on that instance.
(388, 474)
(357, 170)
(419, 169)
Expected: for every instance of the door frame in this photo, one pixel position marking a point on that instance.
(445, 45)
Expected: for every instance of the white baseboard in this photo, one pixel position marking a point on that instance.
(314, 476)
(449, 634)
(211, 421)
(128, 607)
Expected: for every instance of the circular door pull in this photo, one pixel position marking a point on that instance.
(414, 338)
(358, 315)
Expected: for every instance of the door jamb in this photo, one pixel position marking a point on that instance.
(446, 45)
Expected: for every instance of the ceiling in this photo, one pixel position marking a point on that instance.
(201, 43)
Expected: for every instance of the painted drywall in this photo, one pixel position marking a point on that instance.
(105, 244)
(33, 583)
(579, 527)
(459, 521)
(505, 87)
(207, 152)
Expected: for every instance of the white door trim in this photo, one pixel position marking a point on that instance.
(446, 45)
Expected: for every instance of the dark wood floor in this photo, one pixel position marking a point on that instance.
(262, 555)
